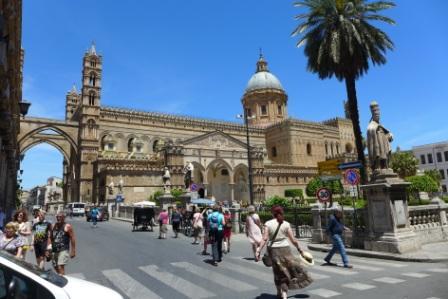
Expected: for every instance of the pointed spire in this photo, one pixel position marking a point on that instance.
(262, 65)
(74, 90)
(92, 50)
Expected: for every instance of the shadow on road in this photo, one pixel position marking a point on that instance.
(270, 296)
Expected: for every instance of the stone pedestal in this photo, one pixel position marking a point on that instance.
(389, 228)
(166, 200)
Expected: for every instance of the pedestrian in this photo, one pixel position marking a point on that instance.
(2, 219)
(41, 239)
(63, 243)
(335, 228)
(227, 230)
(288, 272)
(197, 227)
(253, 229)
(176, 219)
(94, 213)
(23, 229)
(206, 231)
(216, 224)
(163, 224)
(10, 241)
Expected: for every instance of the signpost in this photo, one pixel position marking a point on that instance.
(348, 165)
(324, 195)
(329, 167)
(352, 176)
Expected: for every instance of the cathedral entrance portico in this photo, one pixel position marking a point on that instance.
(220, 180)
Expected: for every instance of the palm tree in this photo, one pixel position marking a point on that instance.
(339, 41)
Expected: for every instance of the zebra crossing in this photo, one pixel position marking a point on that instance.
(203, 281)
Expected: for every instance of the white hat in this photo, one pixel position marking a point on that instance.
(306, 258)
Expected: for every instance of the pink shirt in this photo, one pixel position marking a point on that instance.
(163, 217)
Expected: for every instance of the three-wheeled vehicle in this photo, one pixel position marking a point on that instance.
(143, 218)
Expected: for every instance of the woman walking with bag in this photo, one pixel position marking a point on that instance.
(227, 230)
(253, 229)
(288, 272)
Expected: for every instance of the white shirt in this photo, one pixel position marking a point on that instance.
(281, 240)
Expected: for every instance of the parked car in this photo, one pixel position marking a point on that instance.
(19, 279)
(103, 214)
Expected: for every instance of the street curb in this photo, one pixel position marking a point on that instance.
(379, 255)
(123, 219)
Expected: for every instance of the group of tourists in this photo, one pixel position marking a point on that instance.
(50, 242)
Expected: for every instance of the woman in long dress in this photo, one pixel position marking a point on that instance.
(20, 218)
(253, 229)
(288, 272)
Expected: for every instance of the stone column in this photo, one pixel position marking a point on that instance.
(388, 217)
(318, 232)
(232, 192)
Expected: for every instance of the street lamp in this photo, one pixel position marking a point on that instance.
(249, 160)
(24, 106)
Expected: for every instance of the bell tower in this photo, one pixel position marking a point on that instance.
(71, 103)
(89, 120)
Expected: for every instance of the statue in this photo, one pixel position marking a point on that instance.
(188, 171)
(166, 181)
(120, 185)
(111, 188)
(378, 141)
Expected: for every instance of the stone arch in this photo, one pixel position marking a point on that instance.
(220, 180)
(30, 134)
(37, 141)
(241, 183)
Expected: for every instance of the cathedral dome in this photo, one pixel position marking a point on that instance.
(263, 79)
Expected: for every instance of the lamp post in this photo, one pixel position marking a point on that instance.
(24, 106)
(249, 160)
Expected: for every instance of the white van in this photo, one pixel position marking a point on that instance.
(77, 208)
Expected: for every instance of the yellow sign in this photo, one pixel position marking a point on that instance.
(329, 167)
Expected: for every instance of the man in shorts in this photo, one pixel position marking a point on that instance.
(41, 238)
(63, 243)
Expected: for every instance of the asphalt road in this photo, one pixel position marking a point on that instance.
(139, 266)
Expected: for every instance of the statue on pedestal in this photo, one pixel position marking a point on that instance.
(378, 141)
(188, 171)
(166, 181)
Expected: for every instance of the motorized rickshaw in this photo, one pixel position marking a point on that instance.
(143, 218)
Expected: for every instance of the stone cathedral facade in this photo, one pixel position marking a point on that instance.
(129, 148)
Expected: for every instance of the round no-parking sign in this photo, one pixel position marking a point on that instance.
(323, 195)
(352, 176)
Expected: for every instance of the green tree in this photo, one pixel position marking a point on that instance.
(435, 175)
(404, 164)
(422, 183)
(340, 41)
(277, 201)
(316, 183)
(176, 193)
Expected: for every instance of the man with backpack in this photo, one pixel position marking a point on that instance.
(216, 227)
(176, 219)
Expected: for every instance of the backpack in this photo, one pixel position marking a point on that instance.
(214, 221)
(175, 218)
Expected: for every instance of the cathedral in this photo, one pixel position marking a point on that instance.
(128, 149)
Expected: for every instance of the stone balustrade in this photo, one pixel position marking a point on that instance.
(429, 222)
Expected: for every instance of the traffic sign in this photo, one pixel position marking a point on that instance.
(194, 187)
(352, 176)
(328, 178)
(353, 164)
(329, 167)
(323, 195)
(119, 198)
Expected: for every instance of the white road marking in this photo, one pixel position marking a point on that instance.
(314, 275)
(77, 275)
(416, 275)
(356, 266)
(358, 286)
(438, 270)
(262, 275)
(389, 280)
(215, 277)
(433, 298)
(377, 263)
(128, 285)
(179, 284)
(337, 270)
(324, 293)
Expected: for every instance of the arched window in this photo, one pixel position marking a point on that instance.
(92, 80)
(308, 149)
(326, 149)
(155, 146)
(274, 151)
(337, 148)
(332, 149)
(93, 63)
(130, 145)
(91, 127)
(92, 98)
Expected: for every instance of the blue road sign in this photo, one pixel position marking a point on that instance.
(352, 176)
(348, 165)
(119, 198)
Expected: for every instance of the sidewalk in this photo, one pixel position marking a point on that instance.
(429, 253)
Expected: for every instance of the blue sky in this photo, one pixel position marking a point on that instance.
(196, 57)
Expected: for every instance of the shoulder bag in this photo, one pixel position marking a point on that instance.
(267, 260)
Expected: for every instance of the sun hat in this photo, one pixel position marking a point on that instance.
(306, 258)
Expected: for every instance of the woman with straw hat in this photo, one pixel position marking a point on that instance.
(288, 271)
(253, 229)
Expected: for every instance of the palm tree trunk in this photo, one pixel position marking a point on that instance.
(350, 85)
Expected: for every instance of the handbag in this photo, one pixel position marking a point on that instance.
(267, 260)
